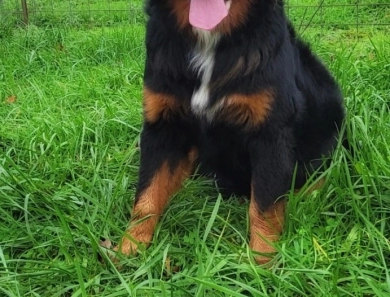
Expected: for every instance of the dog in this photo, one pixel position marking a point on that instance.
(231, 89)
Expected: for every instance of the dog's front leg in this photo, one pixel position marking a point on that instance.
(272, 168)
(167, 158)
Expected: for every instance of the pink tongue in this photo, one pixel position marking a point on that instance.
(207, 14)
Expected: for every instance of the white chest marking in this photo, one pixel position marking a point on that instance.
(203, 62)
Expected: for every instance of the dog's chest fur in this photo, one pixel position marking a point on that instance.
(202, 62)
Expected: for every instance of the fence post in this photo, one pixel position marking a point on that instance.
(25, 12)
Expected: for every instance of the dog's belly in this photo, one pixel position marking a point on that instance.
(223, 156)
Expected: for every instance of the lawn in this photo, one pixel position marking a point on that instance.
(70, 118)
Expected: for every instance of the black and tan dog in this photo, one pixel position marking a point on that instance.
(230, 87)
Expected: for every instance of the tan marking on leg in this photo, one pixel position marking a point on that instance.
(265, 228)
(248, 110)
(152, 202)
(158, 106)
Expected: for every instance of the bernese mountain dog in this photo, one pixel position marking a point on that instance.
(231, 89)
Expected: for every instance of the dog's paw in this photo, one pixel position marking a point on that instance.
(107, 251)
(263, 251)
(115, 253)
(264, 260)
(126, 247)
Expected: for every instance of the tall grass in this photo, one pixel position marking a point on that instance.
(70, 116)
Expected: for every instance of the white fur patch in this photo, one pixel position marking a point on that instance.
(203, 62)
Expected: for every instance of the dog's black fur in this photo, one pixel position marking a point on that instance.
(300, 127)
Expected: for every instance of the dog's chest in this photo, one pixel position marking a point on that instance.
(203, 62)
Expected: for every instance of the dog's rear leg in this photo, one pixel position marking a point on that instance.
(272, 167)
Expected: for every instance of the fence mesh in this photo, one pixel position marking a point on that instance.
(326, 14)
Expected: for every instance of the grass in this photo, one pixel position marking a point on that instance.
(70, 116)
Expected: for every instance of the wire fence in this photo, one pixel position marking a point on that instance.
(327, 14)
